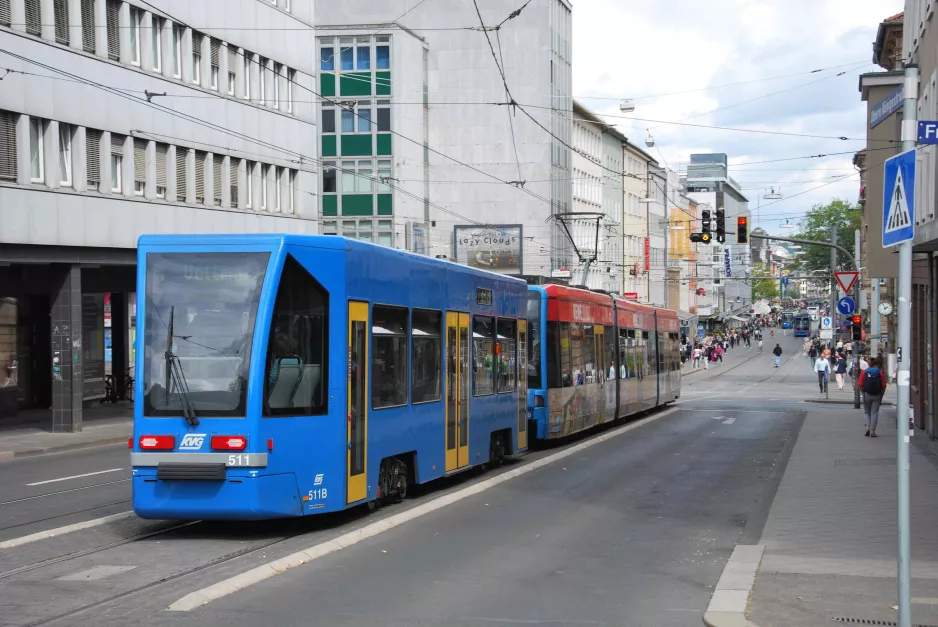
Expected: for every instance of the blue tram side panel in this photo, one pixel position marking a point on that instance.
(285, 375)
(802, 325)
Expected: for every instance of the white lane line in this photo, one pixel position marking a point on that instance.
(223, 588)
(87, 474)
(61, 531)
(729, 421)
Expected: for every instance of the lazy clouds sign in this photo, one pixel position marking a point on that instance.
(494, 248)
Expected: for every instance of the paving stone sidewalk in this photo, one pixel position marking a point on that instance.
(32, 441)
(830, 539)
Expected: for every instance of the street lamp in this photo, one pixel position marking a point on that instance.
(626, 106)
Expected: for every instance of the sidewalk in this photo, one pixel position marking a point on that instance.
(830, 538)
(29, 441)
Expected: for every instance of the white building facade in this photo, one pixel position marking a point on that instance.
(118, 119)
(413, 161)
(634, 222)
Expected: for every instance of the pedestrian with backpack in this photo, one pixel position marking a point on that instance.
(873, 384)
(777, 351)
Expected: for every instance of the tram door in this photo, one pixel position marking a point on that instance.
(457, 390)
(357, 401)
(599, 365)
(522, 384)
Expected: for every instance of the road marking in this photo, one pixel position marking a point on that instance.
(729, 421)
(223, 588)
(61, 531)
(718, 417)
(87, 474)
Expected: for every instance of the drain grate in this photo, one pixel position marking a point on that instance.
(870, 621)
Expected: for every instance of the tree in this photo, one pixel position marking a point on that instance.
(816, 225)
(764, 285)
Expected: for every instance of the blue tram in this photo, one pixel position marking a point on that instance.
(802, 325)
(595, 358)
(286, 375)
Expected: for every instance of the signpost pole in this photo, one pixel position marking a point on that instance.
(833, 308)
(904, 337)
(857, 291)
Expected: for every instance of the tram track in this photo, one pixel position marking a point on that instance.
(64, 515)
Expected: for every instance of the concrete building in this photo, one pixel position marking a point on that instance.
(636, 163)
(708, 181)
(88, 164)
(661, 189)
(682, 260)
(399, 104)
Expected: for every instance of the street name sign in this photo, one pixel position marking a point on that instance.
(899, 198)
(846, 279)
(827, 334)
(927, 132)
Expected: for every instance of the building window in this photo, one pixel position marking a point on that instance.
(216, 179)
(357, 177)
(140, 166)
(36, 151)
(291, 78)
(265, 174)
(277, 70)
(328, 177)
(388, 356)
(383, 53)
(356, 117)
(286, 5)
(384, 116)
(6, 16)
(33, 17)
(196, 58)
(156, 42)
(347, 54)
(7, 146)
(201, 160)
(87, 26)
(427, 354)
(65, 155)
(117, 163)
(135, 16)
(93, 158)
(483, 355)
(162, 151)
(386, 233)
(363, 54)
(177, 50)
(297, 359)
(328, 119)
(327, 59)
(278, 187)
(233, 181)
(262, 70)
(112, 15)
(232, 64)
(247, 75)
(214, 48)
(329, 228)
(384, 176)
(182, 155)
(248, 184)
(60, 15)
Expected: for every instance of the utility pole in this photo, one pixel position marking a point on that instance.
(833, 309)
(857, 256)
(903, 346)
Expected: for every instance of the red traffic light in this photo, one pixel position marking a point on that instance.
(741, 220)
(856, 319)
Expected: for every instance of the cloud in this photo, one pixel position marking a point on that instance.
(666, 47)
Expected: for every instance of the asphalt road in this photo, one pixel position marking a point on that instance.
(634, 530)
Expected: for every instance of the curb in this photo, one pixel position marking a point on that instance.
(730, 598)
(61, 448)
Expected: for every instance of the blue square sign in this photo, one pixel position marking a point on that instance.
(899, 198)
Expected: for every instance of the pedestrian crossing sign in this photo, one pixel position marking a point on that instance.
(899, 198)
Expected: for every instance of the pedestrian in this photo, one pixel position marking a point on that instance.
(760, 344)
(720, 353)
(777, 351)
(873, 384)
(707, 354)
(812, 354)
(823, 368)
(697, 353)
(840, 370)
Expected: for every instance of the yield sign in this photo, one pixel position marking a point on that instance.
(846, 279)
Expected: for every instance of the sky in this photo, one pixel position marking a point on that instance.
(647, 49)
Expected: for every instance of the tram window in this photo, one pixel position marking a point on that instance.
(298, 347)
(610, 352)
(582, 355)
(427, 355)
(507, 355)
(388, 356)
(483, 355)
(554, 378)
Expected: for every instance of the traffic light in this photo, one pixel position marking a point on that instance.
(742, 230)
(856, 331)
(700, 238)
(721, 225)
(705, 221)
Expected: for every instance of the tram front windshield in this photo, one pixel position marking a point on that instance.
(200, 311)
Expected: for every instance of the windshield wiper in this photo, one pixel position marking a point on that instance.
(175, 375)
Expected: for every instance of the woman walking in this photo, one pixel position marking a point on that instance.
(840, 368)
(873, 384)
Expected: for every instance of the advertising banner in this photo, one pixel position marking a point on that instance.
(497, 248)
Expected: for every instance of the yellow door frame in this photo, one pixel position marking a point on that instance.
(462, 421)
(357, 484)
(452, 389)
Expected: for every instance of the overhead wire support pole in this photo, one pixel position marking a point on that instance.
(903, 346)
